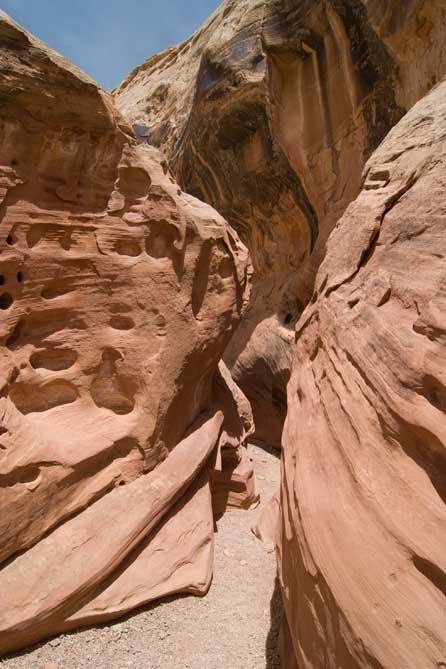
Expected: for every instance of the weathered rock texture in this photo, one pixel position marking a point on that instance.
(233, 481)
(269, 113)
(118, 296)
(362, 550)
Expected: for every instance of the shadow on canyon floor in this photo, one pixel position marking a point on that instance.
(272, 640)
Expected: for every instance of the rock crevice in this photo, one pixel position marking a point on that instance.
(269, 113)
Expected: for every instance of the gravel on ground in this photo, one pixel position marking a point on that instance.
(235, 626)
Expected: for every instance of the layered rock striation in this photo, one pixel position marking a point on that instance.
(118, 295)
(363, 506)
(122, 431)
(269, 112)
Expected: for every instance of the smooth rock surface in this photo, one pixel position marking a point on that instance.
(269, 112)
(362, 531)
(217, 631)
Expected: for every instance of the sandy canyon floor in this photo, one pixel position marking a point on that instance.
(234, 627)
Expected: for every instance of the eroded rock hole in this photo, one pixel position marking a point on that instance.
(226, 268)
(121, 323)
(161, 241)
(53, 359)
(38, 325)
(6, 300)
(133, 182)
(110, 389)
(30, 398)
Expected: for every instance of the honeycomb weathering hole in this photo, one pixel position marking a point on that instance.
(226, 267)
(161, 241)
(30, 398)
(53, 359)
(122, 323)
(134, 182)
(109, 390)
(6, 300)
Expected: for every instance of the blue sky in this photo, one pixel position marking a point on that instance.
(108, 38)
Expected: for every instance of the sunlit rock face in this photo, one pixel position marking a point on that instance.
(269, 112)
(362, 526)
(233, 481)
(118, 295)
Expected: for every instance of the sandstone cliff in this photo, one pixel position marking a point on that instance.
(118, 295)
(122, 429)
(362, 546)
(269, 112)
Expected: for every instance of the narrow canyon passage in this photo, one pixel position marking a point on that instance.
(244, 240)
(234, 627)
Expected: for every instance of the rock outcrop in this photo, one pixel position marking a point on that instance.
(269, 112)
(121, 429)
(233, 481)
(362, 546)
(118, 295)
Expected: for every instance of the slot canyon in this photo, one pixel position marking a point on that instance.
(223, 346)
